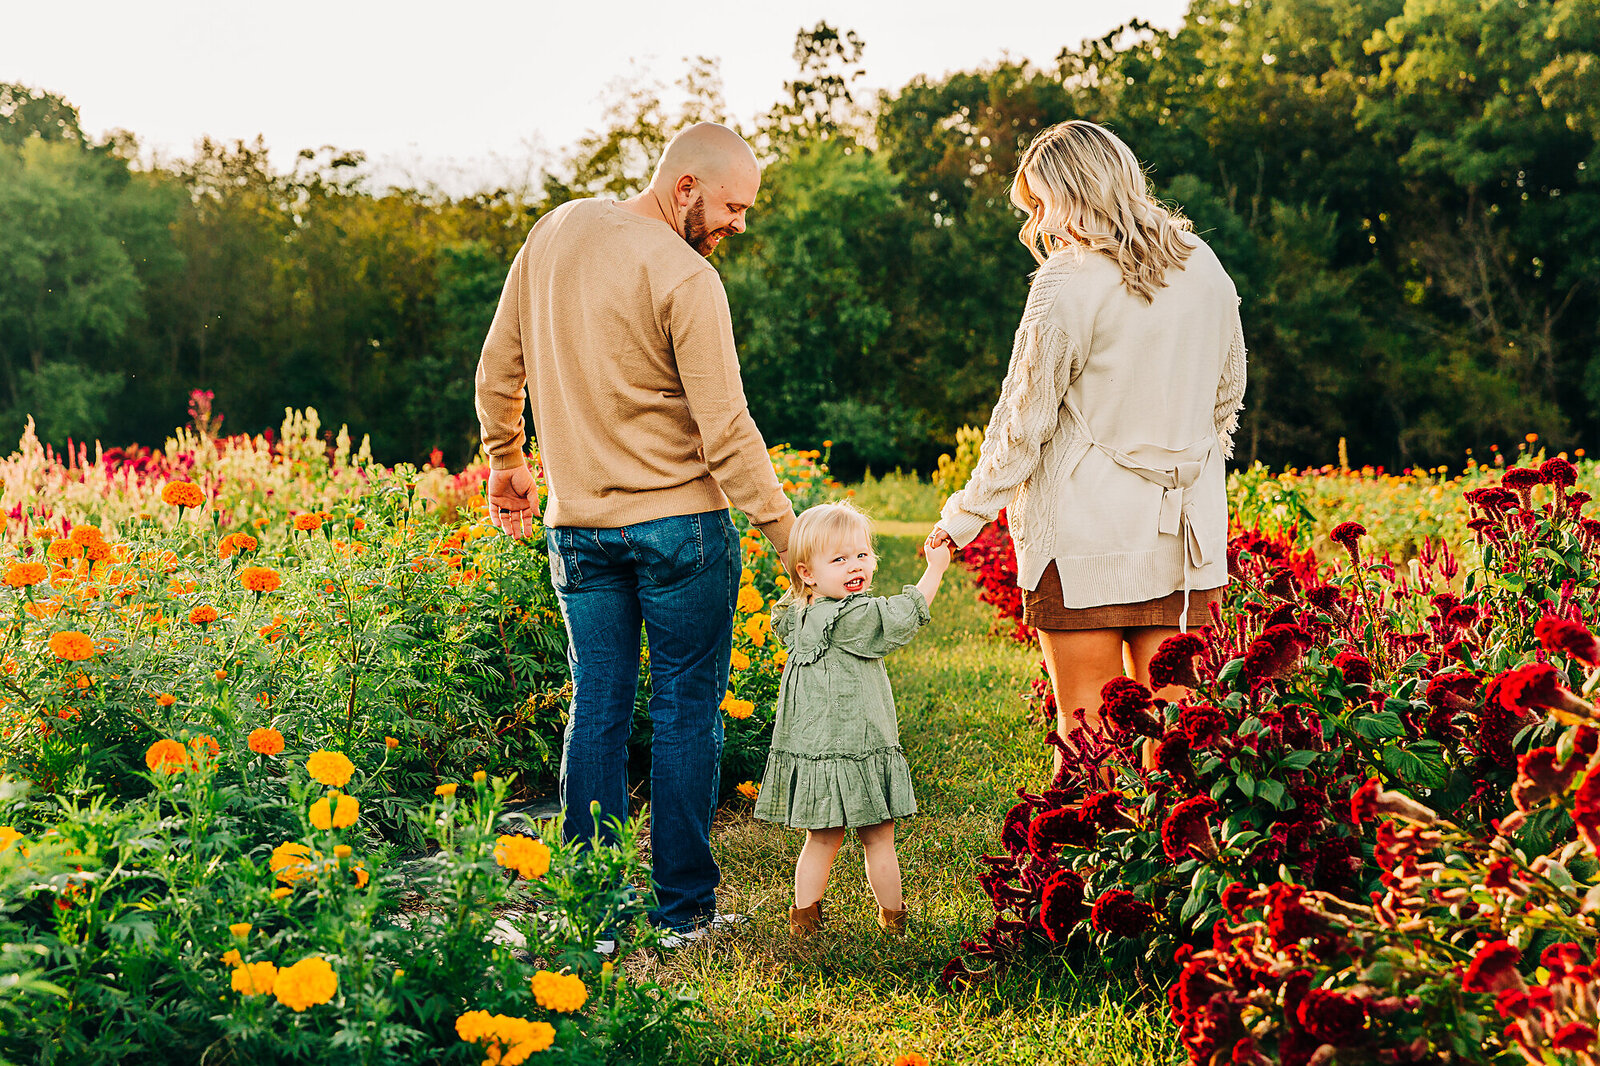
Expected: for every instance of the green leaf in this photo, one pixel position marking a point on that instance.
(1379, 726)
(1247, 783)
(1272, 792)
(1298, 760)
(1230, 671)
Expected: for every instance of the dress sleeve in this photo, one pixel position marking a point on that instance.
(783, 619)
(872, 628)
(1044, 358)
(1230, 389)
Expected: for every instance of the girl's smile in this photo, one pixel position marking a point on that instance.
(842, 570)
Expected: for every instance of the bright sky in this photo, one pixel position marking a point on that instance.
(470, 92)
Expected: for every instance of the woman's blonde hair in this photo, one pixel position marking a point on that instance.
(1082, 187)
(818, 529)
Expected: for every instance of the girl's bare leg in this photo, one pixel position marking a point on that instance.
(883, 864)
(815, 862)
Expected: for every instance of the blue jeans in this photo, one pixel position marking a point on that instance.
(679, 578)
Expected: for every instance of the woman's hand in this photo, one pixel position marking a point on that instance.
(938, 538)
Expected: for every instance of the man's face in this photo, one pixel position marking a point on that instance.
(717, 210)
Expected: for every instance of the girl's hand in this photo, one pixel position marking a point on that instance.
(938, 538)
(938, 556)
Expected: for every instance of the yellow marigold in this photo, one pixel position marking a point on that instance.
(307, 983)
(529, 857)
(64, 549)
(71, 645)
(165, 699)
(342, 851)
(260, 578)
(749, 599)
(289, 863)
(327, 814)
(445, 790)
(203, 615)
(232, 957)
(255, 978)
(182, 494)
(8, 837)
(166, 756)
(780, 656)
(220, 674)
(749, 789)
(510, 1040)
(265, 741)
(740, 708)
(21, 574)
(563, 993)
(205, 745)
(783, 582)
(279, 893)
(739, 660)
(330, 768)
(240, 929)
(305, 523)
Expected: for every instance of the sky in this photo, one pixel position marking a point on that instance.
(473, 93)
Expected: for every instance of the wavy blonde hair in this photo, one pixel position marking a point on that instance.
(817, 531)
(1083, 188)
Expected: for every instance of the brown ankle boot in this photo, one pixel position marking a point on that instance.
(804, 921)
(893, 922)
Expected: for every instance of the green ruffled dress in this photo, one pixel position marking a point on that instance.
(836, 758)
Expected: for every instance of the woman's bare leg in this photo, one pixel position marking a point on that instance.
(1080, 662)
(1142, 644)
(816, 861)
(883, 864)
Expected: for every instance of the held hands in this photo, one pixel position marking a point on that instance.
(513, 501)
(938, 549)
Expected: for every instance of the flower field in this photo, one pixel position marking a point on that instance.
(1368, 831)
(240, 678)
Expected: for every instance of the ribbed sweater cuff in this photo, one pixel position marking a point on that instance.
(962, 526)
(507, 461)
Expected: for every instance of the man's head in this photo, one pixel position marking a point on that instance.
(707, 179)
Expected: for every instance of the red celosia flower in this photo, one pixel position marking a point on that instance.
(1574, 1036)
(1569, 638)
(1324, 597)
(1558, 471)
(1061, 904)
(1494, 500)
(1053, 829)
(1104, 809)
(1173, 662)
(1537, 687)
(1202, 725)
(1348, 534)
(1014, 827)
(1364, 804)
(1289, 921)
(1271, 654)
(1187, 827)
(1521, 477)
(1461, 617)
(1586, 808)
(1172, 756)
(955, 977)
(1234, 900)
(1126, 707)
(1512, 1002)
(1117, 913)
(1333, 1017)
(1357, 669)
(1454, 692)
(1540, 779)
(1493, 968)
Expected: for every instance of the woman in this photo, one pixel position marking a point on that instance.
(1107, 445)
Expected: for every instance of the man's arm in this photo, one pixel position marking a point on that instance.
(701, 332)
(500, 393)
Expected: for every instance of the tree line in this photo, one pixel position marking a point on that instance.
(1404, 193)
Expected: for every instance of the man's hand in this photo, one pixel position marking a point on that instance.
(513, 500)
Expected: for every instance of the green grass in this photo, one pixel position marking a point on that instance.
(851, 995)
(897, 497)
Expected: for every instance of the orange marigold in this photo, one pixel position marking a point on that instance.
(22, 574)
(305, 523)
(71, 645)
(64, 549)
(166, 756)
(86, 535)
(165, 699)
(265, 741)
(245, 542)
(203, 615)
(254, 978)
(289, 863)
(260, 578)
(305, 984)
(205, 745)
(330, 768)
(183, 494)
(96, 552)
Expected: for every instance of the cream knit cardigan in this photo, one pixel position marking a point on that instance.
(1107, 445)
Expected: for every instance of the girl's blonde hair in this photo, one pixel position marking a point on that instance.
(1082, 187)
(818, 529)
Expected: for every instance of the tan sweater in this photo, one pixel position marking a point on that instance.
(1108, 442)
(619, 334)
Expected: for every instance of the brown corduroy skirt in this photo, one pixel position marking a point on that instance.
(1042, 608)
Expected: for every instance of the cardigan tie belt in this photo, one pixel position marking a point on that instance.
(1176, 471)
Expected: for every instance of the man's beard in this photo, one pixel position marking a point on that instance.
(700, 238)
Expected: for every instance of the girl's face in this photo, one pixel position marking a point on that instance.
(844, 568)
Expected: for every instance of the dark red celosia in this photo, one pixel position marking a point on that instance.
(1586, 808)
(1349, 535)
(1325, 597)
(1574, 1036)
(1125, 705)
(1512, 1003)
(1203, 725)
(1333, 1017)
(1463, 616)
(1520, 478)
(1454, 692)
(1061, 904)
(1493, 968)
(1558, 471)
(1364, 804)
(1568, 638)
(1289, 921)
(1541, 779)
(1117, 913)
(1357, 669)
(955, 977)
(1052, 830)
(1234, 899)
(1187, 827)
(1104, 809)
(1271, 654)
(1534, 687)
(1172, 756)
(1173, 662)
(1014, 827)
(1493, 500)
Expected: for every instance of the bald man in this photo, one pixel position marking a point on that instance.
(615, 328)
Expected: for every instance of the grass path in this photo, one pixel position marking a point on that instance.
(852, 996)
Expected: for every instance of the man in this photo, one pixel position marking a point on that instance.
(617, 328)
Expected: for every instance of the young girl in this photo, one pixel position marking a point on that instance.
(836, 762)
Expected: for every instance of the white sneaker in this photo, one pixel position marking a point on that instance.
(677, 938)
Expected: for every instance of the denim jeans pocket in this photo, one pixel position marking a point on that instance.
(670, 549)
(564, 571)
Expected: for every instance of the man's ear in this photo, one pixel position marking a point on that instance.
(681, 190)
